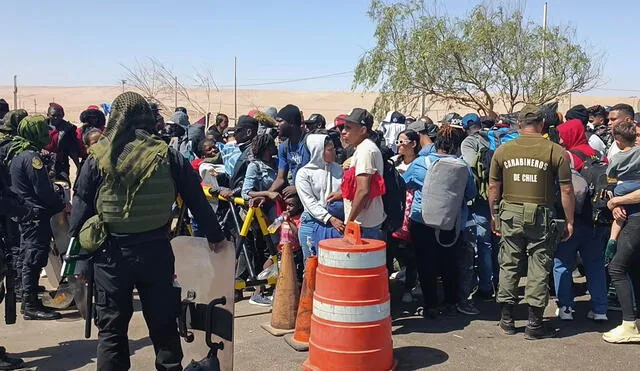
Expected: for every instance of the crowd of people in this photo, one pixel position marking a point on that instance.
(471, 202)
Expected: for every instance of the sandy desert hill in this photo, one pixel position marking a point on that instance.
(35, 99)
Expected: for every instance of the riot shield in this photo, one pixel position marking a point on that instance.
(207, 280)
(60, 231)
(66, 291)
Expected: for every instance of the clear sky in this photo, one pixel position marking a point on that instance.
(74, 42)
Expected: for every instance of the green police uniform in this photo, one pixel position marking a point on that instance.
(527, 168)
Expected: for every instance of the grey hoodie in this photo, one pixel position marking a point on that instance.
(317, 179)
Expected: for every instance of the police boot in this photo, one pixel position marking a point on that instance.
(34, 310)
(536, 329)
(9, 363)
(507, 324)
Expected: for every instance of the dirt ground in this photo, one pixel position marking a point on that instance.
(449, 343)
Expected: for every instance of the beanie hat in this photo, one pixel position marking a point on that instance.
(579, 112)
(290, 114)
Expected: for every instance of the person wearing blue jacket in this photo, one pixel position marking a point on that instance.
(431, 257)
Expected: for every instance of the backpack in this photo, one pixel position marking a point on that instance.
(500, 136)
(394, 199)
(594, 172)
(443, 195)
(480, 169)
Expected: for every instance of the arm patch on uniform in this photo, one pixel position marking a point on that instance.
(36, 162)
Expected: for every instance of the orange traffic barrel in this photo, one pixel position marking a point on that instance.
(351, 320)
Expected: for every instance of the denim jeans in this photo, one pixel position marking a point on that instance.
(374, 233)
(305, 236)
(590, 243)
(484, 246)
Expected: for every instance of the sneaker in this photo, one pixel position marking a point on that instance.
(260, 300)
(565, 313)
(627, 332)
(597, 317)
(467, 307)
(407, 298)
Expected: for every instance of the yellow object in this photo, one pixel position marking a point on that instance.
(627, 332)
(37, 163)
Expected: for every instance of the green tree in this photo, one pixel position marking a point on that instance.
(491, 57)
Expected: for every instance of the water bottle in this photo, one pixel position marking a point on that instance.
(276, 224)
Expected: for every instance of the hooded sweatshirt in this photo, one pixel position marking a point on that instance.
(317, 179)
(574, 140)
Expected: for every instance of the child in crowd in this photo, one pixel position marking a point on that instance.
(261, 173)
(91, 137)
(625, 169)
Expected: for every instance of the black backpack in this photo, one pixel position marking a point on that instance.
(594, 171)
(394, 198)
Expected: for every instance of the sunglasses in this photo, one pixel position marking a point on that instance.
(401, 142)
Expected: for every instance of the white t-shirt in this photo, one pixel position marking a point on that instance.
(596, 143)
(367, 159)
(613, 151)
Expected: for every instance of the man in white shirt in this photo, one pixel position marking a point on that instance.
(619, 113)
(368, 164)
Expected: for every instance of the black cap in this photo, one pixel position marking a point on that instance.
(291, 114)
(426, 128)
(248, 122)
(316, 120)
(360, 116)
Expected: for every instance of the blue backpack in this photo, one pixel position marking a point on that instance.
(500, 136)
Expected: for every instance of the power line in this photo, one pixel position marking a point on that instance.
(293, 80)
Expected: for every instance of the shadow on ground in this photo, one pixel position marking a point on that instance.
(416, 358)
(71, 355)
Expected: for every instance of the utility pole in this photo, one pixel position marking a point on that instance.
(176, 91)
(123, 83)
(422, 105)
(235, 88)
(544, 39)
(35, 106)
(15, 91)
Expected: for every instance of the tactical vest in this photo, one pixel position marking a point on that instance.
(150, 208)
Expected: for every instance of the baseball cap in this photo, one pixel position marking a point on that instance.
(530, 114)
(338, 122)
(360, 116)
(316, 120)
(450, 117)
(426, 128)
(470, 119)
(248, 122)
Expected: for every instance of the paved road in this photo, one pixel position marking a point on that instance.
(451, 343)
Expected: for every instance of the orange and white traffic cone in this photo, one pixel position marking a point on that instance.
(300, 339)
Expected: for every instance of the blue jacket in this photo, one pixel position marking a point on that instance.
(414, 177)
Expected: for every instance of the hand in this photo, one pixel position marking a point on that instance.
(289, 191)
(568, 232)
(257, 202)
(226, 193)
(495, 226)
(613, 203)
(274, 196)
(335, 196)
(619, 214)
(337, 224)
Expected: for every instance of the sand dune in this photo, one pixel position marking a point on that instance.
(35, 99)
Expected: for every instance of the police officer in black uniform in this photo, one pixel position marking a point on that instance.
(30, 182)
(126, 189)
